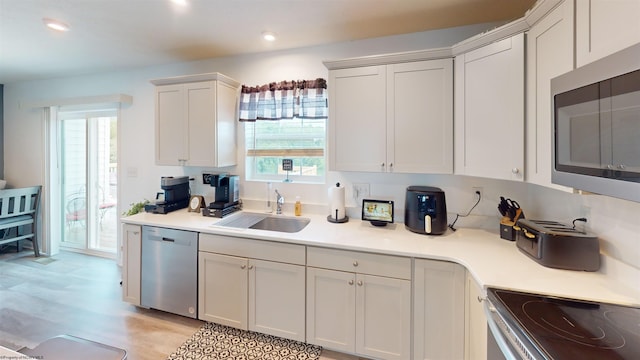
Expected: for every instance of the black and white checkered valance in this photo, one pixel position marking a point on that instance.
(306, 99)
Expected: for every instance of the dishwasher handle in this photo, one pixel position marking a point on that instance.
(168, 239)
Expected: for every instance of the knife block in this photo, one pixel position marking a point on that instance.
(507, 231)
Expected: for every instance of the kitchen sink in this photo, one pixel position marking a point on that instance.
(258, 221)
(283, 224)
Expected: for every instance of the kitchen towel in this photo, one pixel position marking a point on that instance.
(336, 202)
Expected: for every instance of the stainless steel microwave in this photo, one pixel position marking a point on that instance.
(596, 126)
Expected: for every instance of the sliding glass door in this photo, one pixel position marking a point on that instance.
(88, 191)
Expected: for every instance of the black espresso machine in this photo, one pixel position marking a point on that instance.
(176, 195)
(227, 196)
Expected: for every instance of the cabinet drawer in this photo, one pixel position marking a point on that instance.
(255, 249)
(363, 263)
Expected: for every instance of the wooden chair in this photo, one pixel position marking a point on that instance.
(19, 215)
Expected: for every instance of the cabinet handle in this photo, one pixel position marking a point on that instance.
(243, 266)
(382, 165)
(359, 282)
(515, 170)
(350, 282)
(355, 263)
(391, 165)
(621, 167)
(136, 233)
(479, 299)
(250, 267)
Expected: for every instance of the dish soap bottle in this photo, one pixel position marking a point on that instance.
(298, 207)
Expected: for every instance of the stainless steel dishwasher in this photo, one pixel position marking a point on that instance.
(169, 270)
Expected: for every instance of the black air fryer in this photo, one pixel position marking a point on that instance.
(425, 210)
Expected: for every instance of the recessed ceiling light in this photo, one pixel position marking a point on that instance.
(269, 36)
(180, 2)
(55, 24)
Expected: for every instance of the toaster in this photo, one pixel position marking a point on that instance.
(557, 245)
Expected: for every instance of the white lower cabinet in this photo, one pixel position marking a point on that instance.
(475, 322)
(132, 258)
(252, 285)
(438, 312)
(359, 303)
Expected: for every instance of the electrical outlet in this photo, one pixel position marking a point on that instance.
(477, 190)
(206, 179)
(360, 192)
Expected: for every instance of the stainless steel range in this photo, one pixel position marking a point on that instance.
(543, 327)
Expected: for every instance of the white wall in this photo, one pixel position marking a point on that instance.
(615, 221)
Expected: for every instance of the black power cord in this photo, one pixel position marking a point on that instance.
(468, 212)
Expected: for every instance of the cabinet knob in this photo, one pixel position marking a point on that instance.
(382, 165)
(479, 299)
(359, 282)
(515, 171)
(350, 282)
(243, 266)
(136, 233)
(355, 263)
(390, 165)
(621, 167)
(250, 267)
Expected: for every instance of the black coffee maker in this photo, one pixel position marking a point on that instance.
(227, 195)
(176, 195)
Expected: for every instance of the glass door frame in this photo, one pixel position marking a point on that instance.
(87, 195)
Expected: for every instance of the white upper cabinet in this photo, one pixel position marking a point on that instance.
(489, 110)
(357, 119)
(392, 118)
(196, 120)
(549, 54)
(420, 117)
(604, 27)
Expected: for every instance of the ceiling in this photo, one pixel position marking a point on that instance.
(108, 35)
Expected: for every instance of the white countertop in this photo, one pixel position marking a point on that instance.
(492, 261)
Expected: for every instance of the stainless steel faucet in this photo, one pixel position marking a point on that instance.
(279, 202)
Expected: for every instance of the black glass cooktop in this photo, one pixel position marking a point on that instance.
(569, 329)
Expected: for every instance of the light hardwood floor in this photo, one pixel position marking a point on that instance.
(80, 295)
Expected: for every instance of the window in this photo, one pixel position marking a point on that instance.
(302, 140)
(285, 120)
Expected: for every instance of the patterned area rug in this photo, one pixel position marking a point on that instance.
(215, 341)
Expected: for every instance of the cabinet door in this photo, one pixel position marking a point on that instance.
(357, 119)
(225, 130)
(490, 110)
(549, 54)
(222, 289)
(171, 125)
(420, 117)
(201, 127)
(475, 322)
(331, 308)
(604, 27)
(383, 317)
(277, 299)
(438, 310)
(132, 257)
